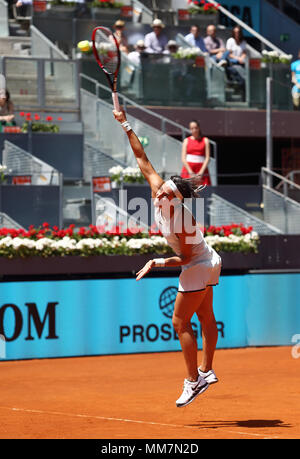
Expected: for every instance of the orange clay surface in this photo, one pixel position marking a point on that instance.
(133, 396)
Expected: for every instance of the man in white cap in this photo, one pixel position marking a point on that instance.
(135, 56)
(156, 41)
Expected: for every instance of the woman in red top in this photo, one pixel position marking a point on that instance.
(195, 154)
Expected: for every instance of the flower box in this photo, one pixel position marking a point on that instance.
(63, 11)
(112, 14)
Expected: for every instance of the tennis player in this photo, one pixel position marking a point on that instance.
(200, 267)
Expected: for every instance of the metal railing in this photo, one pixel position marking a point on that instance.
(4, 31)
(42, 84)
(166, 148)
(41, 46)
(249, 29)
(223, 212)
(291, 176)
(8, 222)
(96, 163)
(140, 12)
(279, 209)
(106, 213)
(20, 162)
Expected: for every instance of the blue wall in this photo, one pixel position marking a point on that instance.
(115, 316)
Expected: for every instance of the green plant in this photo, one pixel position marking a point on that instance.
(106, 4)
(40, 127)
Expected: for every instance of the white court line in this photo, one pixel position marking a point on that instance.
(103, 418)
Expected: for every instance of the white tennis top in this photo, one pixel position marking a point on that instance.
(201, 251)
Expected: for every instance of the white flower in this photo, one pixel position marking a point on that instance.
(116, 170)
(254, 235)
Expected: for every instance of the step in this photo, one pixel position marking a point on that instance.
(7, 44)
(19, 99)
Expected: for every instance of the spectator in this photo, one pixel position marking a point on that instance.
(6, 109)
(119, 26)
(135, 56)
(215, 46)
(295, 68)
(194, 39)
(236, 45)
(195, 154)
(172, 47)
(22, 7)
(156, 41)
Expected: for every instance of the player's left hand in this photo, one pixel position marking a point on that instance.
(148, 266)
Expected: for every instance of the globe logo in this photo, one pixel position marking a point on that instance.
(167, 301)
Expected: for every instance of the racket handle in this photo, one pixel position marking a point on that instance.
(116, 101)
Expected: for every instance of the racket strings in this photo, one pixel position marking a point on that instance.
(107, 50)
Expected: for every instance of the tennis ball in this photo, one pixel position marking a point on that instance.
(84, 46)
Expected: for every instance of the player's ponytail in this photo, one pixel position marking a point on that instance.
(189, 188)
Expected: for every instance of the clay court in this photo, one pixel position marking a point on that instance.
(133, 396)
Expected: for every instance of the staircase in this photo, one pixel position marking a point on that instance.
(15, 46)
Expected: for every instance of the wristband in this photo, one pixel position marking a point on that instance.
(126, 126)
(160, 262)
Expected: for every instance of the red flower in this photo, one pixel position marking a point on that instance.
(45, 225)
(37, 117)
(49, 118)
(59, 118)
(22, 113)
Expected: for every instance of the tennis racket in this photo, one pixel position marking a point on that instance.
(107, 54)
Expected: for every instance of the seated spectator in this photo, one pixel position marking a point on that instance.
(236, 45)
(194, 39)
(6, 109)
(295, 68)
(172, 47)
(215, 46)
(135, 56)
(156, 41)
(119, 26)
(23, 7)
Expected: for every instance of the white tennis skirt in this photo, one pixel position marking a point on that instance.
(200, 274)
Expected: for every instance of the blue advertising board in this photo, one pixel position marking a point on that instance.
(43, 319)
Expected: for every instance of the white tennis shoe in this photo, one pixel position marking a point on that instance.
(209, 376)
(191, 390)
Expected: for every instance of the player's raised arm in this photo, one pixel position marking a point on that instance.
(150, 174)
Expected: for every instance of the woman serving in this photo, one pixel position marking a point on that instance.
(199, 263)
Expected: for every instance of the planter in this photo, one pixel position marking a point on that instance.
(275, 253)
(106, 13)
(61, 11)
(202, 20)
(241, 261)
